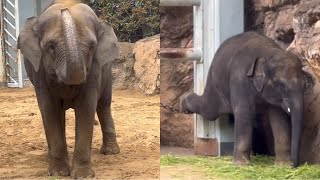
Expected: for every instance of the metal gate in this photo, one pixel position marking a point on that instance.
(10, 32)
(213, 22)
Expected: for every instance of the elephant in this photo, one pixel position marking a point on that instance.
(251, 74)
(68, 54)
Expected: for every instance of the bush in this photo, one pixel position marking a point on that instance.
(131, 19)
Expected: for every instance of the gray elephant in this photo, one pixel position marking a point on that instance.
(68, 54)
(250, 74)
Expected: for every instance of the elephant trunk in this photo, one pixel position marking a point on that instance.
(75, 71)
(296, 119)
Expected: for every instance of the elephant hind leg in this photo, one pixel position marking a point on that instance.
(109, 140)
(243, 136)
(281, 133)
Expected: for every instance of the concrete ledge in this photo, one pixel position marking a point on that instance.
(206, 147)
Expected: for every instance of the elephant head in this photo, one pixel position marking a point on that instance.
(281, 82)
(67, 42)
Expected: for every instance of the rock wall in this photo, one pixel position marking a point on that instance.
(138, 66)
(147, 65)
(123, 67)
(176, 26)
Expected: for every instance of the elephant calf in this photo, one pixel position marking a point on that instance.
(251, 74)
(68, 54)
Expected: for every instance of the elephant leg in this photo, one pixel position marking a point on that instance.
(109, 140)
(281, 133)
(85, 112)
(243, 136)
(54, 124)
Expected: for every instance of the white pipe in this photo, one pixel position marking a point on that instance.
(181, 54)
(180, 2)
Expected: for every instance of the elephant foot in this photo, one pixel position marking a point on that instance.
(283, 161)
(242, 161)
(58, 168)
(82, 172)
(283, 158)
(110, 148)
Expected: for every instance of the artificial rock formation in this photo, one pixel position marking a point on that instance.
(147, 65)
(138, 66)
(176, 26)
(123, 67)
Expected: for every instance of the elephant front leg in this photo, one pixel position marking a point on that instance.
(54, 124)
(109, 144)
(281, 133)
(81, 164)
(243, 136)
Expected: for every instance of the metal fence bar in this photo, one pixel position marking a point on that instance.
(8, 22)
(204, 129)
(10, 32)
(8, 11)
(180, 2)
(13, 37)
(20, 76)
(13, 83)
(9, 2)
(9, 44)
(10, 55)
(11, 68)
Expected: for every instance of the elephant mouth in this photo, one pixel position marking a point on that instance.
(285, 106)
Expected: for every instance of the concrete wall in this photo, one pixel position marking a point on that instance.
(26, 9)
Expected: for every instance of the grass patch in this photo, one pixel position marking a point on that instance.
(262, 168)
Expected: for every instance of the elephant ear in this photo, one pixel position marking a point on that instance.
(309, 82)
(257, 73)
(28, 43)
(107, 46)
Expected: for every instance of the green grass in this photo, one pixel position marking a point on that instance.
(262, 168)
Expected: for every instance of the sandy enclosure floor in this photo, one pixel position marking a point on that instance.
(23, 147)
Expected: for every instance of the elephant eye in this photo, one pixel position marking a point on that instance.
(282, 87)
(92, 44)
(51, 48)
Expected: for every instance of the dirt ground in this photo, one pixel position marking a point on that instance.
(182, 172)
(23, 147)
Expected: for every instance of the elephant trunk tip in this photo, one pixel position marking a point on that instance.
(72, 78)
(64, 9)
